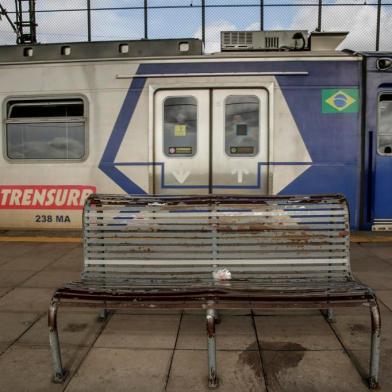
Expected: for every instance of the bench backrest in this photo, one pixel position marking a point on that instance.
(194, 237)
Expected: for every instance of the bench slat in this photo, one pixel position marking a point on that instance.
(208, 261)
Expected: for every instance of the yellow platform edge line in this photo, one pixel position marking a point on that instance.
(72, 240)
(370, 239)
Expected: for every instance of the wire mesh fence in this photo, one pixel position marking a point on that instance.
(369, 22)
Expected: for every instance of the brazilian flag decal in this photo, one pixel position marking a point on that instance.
(344, 100)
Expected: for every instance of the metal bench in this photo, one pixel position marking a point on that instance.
(216, 252)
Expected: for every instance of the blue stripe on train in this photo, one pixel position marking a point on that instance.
(331, 138)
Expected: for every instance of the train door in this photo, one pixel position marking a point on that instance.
(211, 141)
(379, 131)
(382, 219)
(240, 141)
(181, 141)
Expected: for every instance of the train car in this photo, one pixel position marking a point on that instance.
(163, 117)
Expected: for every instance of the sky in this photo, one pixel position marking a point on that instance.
(71, 25)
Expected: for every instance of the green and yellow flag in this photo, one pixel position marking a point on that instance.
(344, 100)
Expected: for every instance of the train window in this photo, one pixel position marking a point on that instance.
(50, 108)
(384, 135)
(180, 126)
(52, 129)
(242, 125)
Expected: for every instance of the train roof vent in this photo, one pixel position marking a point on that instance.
(264, 40)
(237, 39)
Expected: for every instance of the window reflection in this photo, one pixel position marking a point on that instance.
(180, 126)
(242, 125)
(46, 141)
(384, 137)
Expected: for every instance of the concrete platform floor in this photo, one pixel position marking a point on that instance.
(138, 351)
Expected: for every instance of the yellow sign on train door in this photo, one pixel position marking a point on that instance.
(180, 130)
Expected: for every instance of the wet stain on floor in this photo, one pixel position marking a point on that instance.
(251, 358)
(282, 356)
(359, 328)
(282, 346)
(285, 355)
(75, 327)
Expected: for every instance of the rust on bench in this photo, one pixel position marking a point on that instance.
(216, 252)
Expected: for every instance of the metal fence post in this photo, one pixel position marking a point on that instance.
(33, 24)
(203, 21)
(378, 27)
(89, 20)
(261, 15)
(145, 19)
(319, 18)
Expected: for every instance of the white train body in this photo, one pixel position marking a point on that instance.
(121, 116)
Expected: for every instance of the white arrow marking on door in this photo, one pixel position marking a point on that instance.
(240, 174)
(181, 176)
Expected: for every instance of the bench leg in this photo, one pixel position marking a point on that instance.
(329, 315)
(103, 314)
(59, 373)
(215, 313)
(212, 375)
(375, 346)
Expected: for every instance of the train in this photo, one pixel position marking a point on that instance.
(164, 117)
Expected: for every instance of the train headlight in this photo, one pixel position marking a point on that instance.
(384, 64)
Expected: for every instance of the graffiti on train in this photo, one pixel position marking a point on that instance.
(47, 197)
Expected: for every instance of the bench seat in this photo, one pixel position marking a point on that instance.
(194, 295)
(216, 252)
